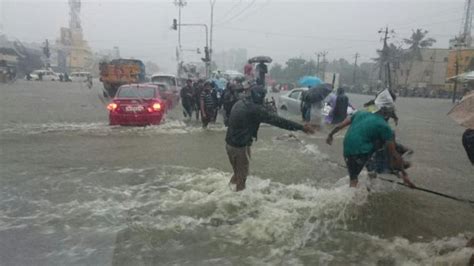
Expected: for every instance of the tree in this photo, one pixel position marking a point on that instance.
(277, 72)
(416, 42)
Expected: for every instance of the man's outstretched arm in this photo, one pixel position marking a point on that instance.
(275, 120)
(338, 127)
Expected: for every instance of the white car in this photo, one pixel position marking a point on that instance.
(46, 75)
(291, 102)
(79, 76)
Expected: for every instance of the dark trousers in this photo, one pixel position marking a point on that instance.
(210, 116)
(239, 159)
(355, 164)
(187, 110)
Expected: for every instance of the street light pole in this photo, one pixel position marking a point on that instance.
(212, 2)
(179, 4)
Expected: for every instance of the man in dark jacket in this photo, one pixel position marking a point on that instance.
(187, 99)
(244, 122)
(339, 110)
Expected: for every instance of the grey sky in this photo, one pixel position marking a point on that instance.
(280, 29)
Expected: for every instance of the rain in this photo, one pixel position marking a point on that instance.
(236, 132)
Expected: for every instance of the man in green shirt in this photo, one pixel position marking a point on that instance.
(367, 129)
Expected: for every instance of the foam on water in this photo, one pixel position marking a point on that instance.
(163, 209)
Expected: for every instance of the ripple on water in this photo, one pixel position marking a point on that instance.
(103, 129)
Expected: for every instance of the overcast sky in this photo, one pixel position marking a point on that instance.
(280, 29)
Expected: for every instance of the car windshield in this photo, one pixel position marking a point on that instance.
(164, 79)
(162, 87)
(136, 93)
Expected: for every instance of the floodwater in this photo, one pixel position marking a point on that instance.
(74, 191)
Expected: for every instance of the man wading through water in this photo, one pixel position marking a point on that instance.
(244, 122)
(208, 105)
(365, 130)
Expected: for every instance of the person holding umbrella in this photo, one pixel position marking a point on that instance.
(261, 69)
(315, 98)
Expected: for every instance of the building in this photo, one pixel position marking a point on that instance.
(427, 73)
(74, 54)
(463, 57)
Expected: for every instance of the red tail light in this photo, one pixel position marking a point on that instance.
(157, 107)
(112, 106)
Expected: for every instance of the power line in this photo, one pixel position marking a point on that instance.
(425, 25)
(230, 10)
(256, 10)
(240, 13)
(296, 36)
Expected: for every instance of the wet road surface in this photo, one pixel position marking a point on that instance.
(75, 191)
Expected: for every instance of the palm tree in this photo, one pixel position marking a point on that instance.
(416, 42)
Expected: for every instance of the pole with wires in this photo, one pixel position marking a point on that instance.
(212, 2)
(356, 56)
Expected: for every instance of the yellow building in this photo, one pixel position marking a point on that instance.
(464, 58)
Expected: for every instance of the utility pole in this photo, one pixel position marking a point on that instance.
(355, 69)
(467, 24)
(180, 4)
(456, 67)
(212, 2)
(384, 62)
(323, 54)
(47, 53)
(317, 66)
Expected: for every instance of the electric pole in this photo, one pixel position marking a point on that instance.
(456, 67)
(317, 66)
(384, 60)
(212, 2)
(323, 55)
(355, 69)
(180, 4)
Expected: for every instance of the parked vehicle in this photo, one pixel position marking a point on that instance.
(173, 86)
(137, 105)
(169, 79)
(43, 74)
(80, 76)
(171, 97)
(291, 101)
(119, 72)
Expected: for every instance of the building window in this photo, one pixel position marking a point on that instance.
(445, 59)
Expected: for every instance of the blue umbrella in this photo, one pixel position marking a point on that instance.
(310, 81)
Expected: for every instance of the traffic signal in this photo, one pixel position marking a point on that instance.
(206, 58)
(175, 24)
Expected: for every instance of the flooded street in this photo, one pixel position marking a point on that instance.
(75, 191)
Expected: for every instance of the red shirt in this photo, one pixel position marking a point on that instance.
(248, 69)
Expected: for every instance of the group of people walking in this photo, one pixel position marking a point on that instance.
(205, 99)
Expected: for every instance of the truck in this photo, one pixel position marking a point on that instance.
(119, 72)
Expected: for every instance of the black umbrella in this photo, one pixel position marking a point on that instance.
(319, 93)
(258, 59)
